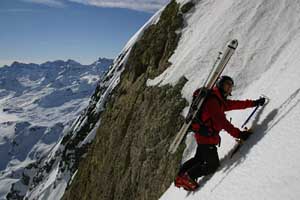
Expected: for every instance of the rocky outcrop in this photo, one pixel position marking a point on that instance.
(128, 158)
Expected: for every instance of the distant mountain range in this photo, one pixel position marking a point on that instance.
(37, 102)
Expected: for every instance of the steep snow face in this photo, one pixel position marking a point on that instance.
(37, 102)
(266, 62)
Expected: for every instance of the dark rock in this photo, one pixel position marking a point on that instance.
(129, 157)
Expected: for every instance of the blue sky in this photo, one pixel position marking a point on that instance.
(83, 30)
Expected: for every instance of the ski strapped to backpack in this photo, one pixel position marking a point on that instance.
(217, 69)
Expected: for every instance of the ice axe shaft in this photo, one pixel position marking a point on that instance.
(253, 112)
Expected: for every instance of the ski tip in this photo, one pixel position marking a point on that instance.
(233, 44)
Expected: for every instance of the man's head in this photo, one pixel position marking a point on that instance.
(225, 84)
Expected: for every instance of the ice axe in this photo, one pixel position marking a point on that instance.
(254, 111)
(250, 116)
(240, 141)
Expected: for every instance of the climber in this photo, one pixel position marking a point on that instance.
(207, 124)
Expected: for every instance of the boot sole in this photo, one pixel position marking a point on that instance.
(184, 187)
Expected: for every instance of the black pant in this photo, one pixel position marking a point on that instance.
(206, 161)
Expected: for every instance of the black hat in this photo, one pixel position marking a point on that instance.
(221, 81)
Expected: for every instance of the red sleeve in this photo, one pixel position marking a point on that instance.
(219, 120)
(237, 105)
(223, 123)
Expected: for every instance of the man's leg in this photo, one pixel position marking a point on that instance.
(209, 161)
(191, 162)
(183, 179)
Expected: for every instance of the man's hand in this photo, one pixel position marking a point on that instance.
(260, 102)
(244, 135)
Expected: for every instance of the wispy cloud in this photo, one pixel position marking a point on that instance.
(141, 5)
(51, 3)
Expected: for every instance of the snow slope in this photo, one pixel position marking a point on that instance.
(266, 62)
(37, 102)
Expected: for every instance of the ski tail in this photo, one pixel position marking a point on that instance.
(179, 137)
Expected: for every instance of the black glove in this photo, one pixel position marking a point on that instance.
(244, 135)
(260, 102)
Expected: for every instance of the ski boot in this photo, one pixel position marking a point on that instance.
(186, 182)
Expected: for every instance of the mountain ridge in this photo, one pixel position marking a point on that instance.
(37, 104)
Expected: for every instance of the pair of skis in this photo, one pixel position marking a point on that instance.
(217, 70)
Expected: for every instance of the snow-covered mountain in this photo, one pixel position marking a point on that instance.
(37, 103)
(266, 62)
(137, 109)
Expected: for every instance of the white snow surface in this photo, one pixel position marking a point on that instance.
(266, 62)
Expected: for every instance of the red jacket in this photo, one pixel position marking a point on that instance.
(212, 117)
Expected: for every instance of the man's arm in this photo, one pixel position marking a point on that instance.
(222, 123)
(238, 104)
(219, 119)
